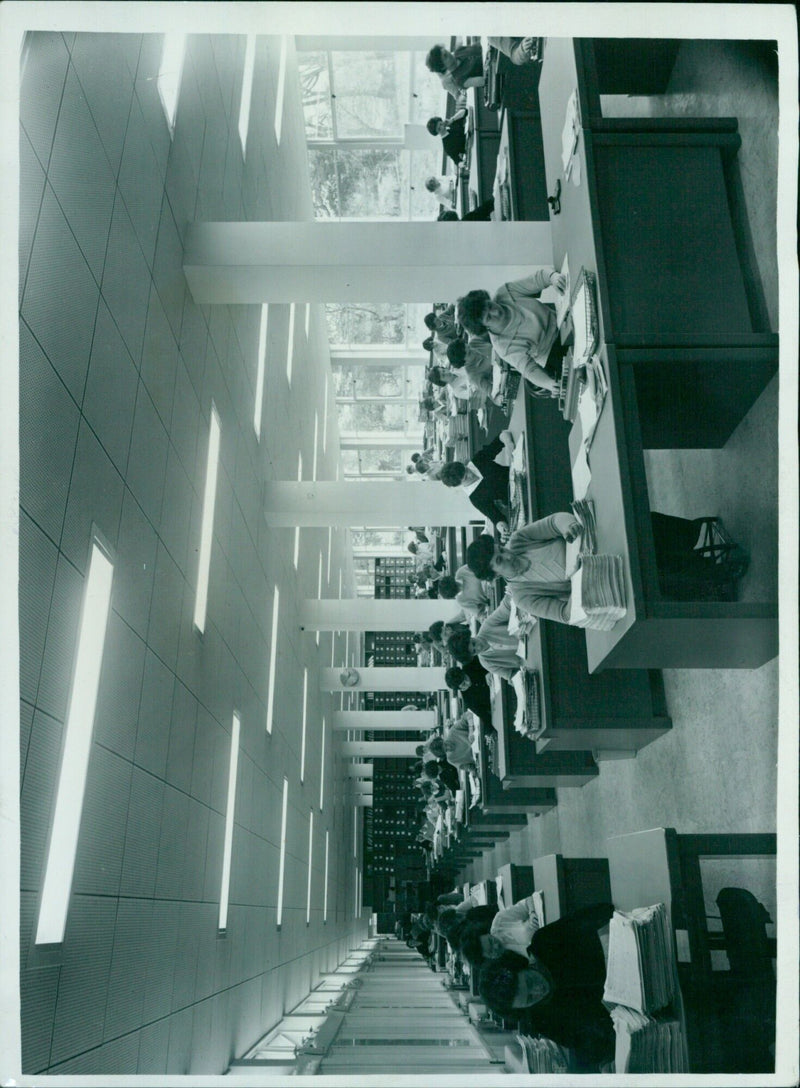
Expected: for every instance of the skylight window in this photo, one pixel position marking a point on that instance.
(229, 812)
(308, 318)
(330, 541)
(296, 554)
(290, 345)
(261, 365)
(77, 746)
(325, 899)
(316, 444)
(322, 770)
(282, 863)
(310, 855)
(281, 89)
(273, 657)
(303, 733)
(207, 525)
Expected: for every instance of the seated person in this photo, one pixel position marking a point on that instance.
(442, 771)
(481, 214)
(457, 743)
(533, 564)
(485, 479)
(452, 132)
(457, 70)
(474, 692)
(495, 649)
(458, 382)
(436, 408)
(442, 324)
(419, 530)
(522, 329)
(442, 188)
(466, 590)
(438, 347)
(423, 553)
(474, 359)
(477, 920)
(557, 988)
(518, 50)
(511, 930)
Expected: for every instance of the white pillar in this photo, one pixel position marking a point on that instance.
(365, 43)
(360, 770)
(329, 261)
(363, 802)
(375, 503)
(377, 748)
(367, 614)
(363, 788)
(393, 678)
(411, 722)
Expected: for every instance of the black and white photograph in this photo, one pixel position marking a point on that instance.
(399, 526)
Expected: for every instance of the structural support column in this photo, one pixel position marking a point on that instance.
(363, 788)
(360, 770)
(370, 749)
(327, 261)
(366, 614)
(410, 721)
(363, 801)
(288, 503)
(395, 678)
(363, 43)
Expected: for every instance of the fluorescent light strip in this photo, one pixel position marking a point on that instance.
(355, 831)
(347, 648)
(169, 76)
(325, 417)
(247, 90)
(281, 89)
(229, 810)
(319, 587)
(355, 912)
(333, 648)
(325, 899)
(340, 585)
(316, 444)
(273, 657)
(262, 362)
(308, 318)
(207, 527)
(303, 734)
(310, 851)
(330, 540)
(77, 746)
(296, 556)
(290, 345)
(282, 864)
(322, 770)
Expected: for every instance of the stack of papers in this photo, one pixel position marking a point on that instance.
(542, 1055)
(562, 301)
(570, 132)
(584, 317)
(641, 962)
(583, 509)
(645, 1045)
(598, 593)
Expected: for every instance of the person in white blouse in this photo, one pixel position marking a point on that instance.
(511, 930)
(443, 189)
(467, 591)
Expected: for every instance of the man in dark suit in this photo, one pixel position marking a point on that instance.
(454, 137)
(484, 479)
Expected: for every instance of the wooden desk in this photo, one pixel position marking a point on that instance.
(516, 882)
(568, 884)
(495, 799)
(661, 866)
(719, 318)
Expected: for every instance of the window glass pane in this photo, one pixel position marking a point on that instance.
(372, 183)
(366, 323)
(429, 99)
(350, 461)
(423, 164)
(372, 382)
(371, 93)
(315, 93)
(354, 418)
(324, 187)
(383, 460)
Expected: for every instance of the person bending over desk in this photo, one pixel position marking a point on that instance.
(458, 382)
(452, 132)
(466, 590)
(442, 324)
(469, 681)
(485, 479)
(557, 988)
(511, 930)
(457, 70)
(473, 359)
(518, 50)
(443, 189)
(495, 649)
(522, 328)
(533, 564)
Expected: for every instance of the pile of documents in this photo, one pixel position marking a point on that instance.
(540, 1055)
(583, 509)
(598, 592)
(645, 1045)
(640, 973)
(583, 308)
(527, 716)
(570, 134)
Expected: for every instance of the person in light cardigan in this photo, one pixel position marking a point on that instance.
(533, 564)
(523, 329)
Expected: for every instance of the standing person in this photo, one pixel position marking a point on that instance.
(523, 329)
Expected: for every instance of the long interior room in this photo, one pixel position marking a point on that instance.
(399, 505)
